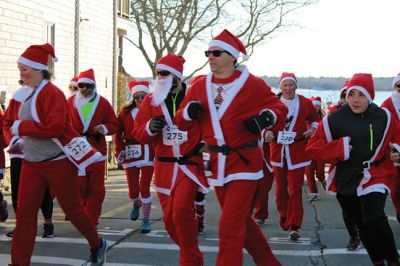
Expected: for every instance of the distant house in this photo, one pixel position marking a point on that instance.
(85, 34)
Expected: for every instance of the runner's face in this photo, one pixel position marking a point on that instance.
(29, 76)
(288, 88)
(138, 98)
(221, 64)
(357, 101)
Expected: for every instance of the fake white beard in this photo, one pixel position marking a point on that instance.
(161, 89)
(81, 100)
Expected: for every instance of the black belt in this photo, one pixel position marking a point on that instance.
(131, 142)
(226, 150)
(180, 160)
(96, 137)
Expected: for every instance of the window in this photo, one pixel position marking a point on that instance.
(49, 37)
(123, 8)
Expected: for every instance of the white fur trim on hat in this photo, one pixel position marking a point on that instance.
(139, 88)
(395, 80)
(316, 102)
(227, 47)
(170, 69)
(73, 83)
(86, 80)
(363, 90)
(288, 78)
(32, 64)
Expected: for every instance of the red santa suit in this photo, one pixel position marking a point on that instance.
(91, 183)
(136, 156)
(237, 167)
(3, 145)
(50, 121)
(393, 105)
(289, 160)
(176, 182)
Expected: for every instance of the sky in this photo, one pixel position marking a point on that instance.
(331, 38)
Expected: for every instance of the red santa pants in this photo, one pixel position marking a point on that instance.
(136, 184)
(92, 190)
(263, 188)
(395, 192)
(288, 194)
(237, 229)
(180, 221)
(315, 170)
(60, 176)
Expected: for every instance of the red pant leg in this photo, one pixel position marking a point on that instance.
(96, 190)
(294, 214)
(310, 175)
(184, 194)
(166, 207)
(395, 191)
(263, 188)
(132, 178)
(32, 186)
(236, 199)
(145, 181)
(320, 171)
(281, 192)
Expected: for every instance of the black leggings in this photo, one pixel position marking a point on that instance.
(368, 214)
(15, 170)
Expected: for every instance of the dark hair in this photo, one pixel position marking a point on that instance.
(47, 74)
(130, 105)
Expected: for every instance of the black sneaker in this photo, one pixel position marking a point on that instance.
(200, 230)
(3, 211)
(98, 256)
(48, 230)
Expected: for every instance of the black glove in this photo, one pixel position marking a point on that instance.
(194, 110)
(157, 123)
(256, 123)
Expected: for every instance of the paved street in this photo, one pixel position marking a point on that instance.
(323, 235)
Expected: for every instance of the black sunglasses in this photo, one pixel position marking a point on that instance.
(163, 73)
(137, 97)
(85, 85)
(215, 53)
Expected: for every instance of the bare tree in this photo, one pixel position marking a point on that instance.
(170, 26)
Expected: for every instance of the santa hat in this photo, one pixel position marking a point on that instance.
(136, 86)
(172, 63)
(229, 43)
(364, 83)
(87, 76)
(316, 100)
(288, 76)
(395, 80)
(37, 56)
(344, 87)
(74, 82)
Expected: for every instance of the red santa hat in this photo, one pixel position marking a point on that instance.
(37, 56)
(74, 82)
(344, 87)
(364, 83)
(395, 80)
(316, 100)
(229, 43)
(172, 63)
(136, 86)
(288, 76)
(87, 76)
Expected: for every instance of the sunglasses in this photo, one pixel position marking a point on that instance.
(163, 73)
(85, 85)
(398, 85)
(215, 53)
(139, 97)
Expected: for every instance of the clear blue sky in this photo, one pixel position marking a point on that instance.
(332, 38)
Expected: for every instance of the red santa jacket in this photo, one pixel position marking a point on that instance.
(224, 126)
(101, 113)
(3, 145)
(136, 154)
(165, 173)
(376, 177)
(51, 120)
(393, 105)
(296, 157)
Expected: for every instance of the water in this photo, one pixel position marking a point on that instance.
(332, 96)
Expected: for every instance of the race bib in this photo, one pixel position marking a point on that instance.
(133, 151)
(78, 148)
(173, 136)
(286, 137)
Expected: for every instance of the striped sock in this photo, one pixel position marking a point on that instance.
(146, 208)
(136, 203)
(199, 209)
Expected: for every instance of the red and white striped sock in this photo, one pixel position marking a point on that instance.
(146, 208)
